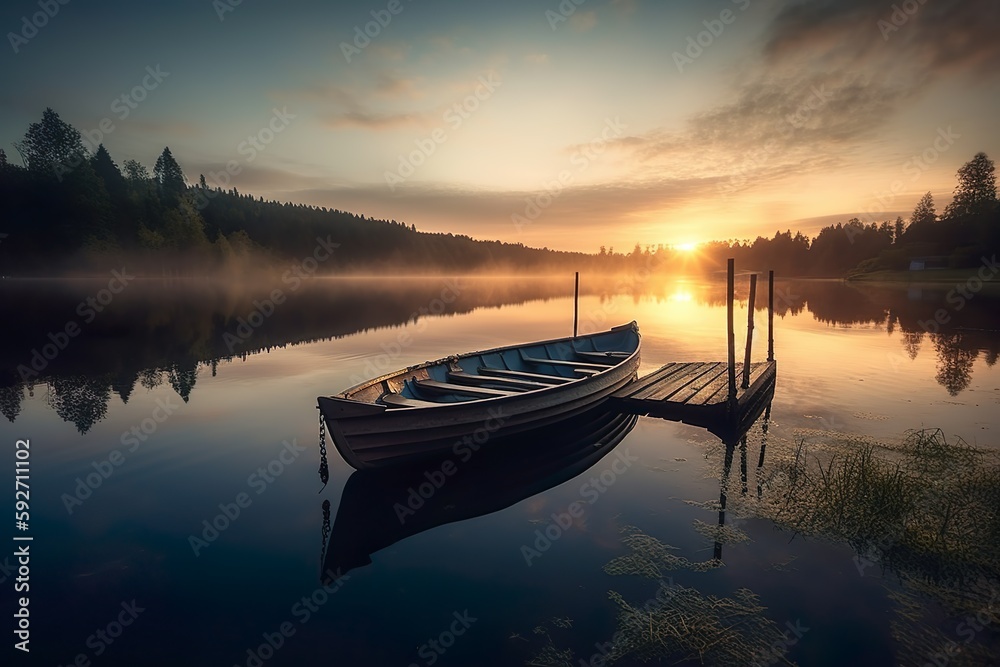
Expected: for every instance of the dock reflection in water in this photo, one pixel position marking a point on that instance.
(378, 509)
(740, 441)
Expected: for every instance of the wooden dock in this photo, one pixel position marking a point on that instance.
(697, 393)
(707, 393)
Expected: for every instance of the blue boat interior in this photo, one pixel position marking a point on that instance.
(508, 371)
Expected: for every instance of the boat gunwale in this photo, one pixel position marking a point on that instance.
(344, 395)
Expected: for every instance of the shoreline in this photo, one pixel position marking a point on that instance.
(925, 277)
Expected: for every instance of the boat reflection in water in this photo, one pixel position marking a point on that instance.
(379, 508)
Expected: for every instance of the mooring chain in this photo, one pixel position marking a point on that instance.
(324, 469)
(326, 532)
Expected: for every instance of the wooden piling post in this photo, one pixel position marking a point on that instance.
(746, 354)
(576, 305)
(770, 315)
(730, 279)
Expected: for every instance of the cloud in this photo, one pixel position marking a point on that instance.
(388, 98)
(171, 129)
(343, 108)
(577, 210)
(390, 52)
(773, 127)
(265, 181)
(827, 81)
(825, 85)
(937, 38)
(376, 121)
(322, 92)
(442, 43)
(446, 47)
(625, 6)
(583, 21)
(391, 85)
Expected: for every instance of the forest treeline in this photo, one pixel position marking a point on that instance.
(69, 207)
(960, 236)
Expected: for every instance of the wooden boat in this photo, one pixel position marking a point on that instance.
(382, 507)
(464, 402)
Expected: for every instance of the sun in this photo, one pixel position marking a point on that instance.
(686, 247)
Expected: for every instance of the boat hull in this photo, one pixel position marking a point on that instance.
(369, 436)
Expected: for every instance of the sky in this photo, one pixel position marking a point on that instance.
(567, 124)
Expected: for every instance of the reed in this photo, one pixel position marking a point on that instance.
(926, 513)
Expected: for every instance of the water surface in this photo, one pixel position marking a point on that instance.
(196, 411)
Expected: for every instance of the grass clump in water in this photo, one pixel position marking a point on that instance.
(928, 508)
(682, 624)
(723, 534)
(687, 626)
(651, 558)
(926, 512)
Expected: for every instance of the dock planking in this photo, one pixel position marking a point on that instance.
(697, 393)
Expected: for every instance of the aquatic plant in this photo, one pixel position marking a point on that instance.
(681, 623)
(926, 507)
(924, 511)
(690, 626)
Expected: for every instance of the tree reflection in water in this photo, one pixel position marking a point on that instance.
(165, 333)
(955, 360)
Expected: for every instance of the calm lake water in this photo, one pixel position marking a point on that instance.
(162, 413)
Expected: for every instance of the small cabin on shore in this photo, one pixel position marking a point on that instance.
(928, 263)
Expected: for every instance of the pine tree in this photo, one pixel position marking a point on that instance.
(135, 172)
(898, 229)
(924, 212)
(106, 168)
(169, 176)
(52, 145)
(976, 191)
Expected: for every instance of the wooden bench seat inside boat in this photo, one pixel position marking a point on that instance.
(561, 362)
(462, 377)
(449, 388)
(534, 377)
(610, 357)
(397, 401)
